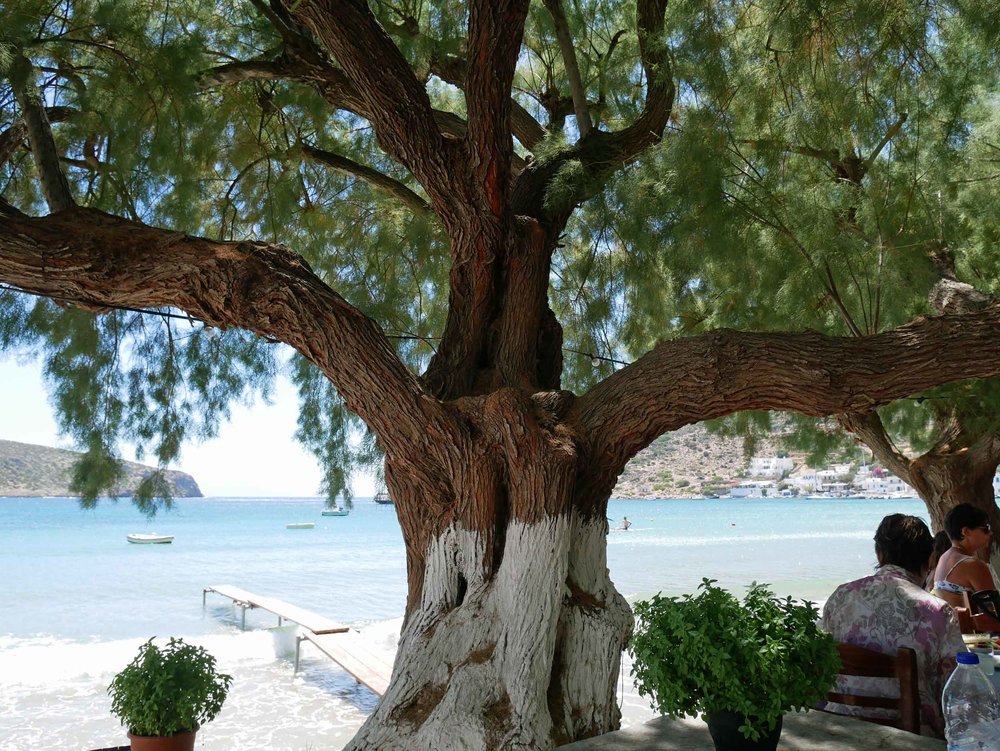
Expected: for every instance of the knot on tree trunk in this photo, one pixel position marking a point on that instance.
(953, 296)
(552, 406)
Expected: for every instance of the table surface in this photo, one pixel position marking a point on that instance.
(802, 731)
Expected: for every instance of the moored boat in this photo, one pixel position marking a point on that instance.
(300, 525)
(337, 511)
(149, 539)
(382, 496)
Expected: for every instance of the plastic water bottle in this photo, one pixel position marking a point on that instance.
(971, 708)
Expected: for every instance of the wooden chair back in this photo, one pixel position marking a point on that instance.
(965, 623)
(902, 666)
(963, 610)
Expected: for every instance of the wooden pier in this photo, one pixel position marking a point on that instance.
(310, 621)
(343, 645)
(349, 650)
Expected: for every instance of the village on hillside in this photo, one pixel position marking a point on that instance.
(782, 476)
(696, 463)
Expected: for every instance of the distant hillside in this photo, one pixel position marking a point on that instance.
(29, 470)
(688, 462)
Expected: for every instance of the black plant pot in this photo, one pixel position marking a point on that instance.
(725, 730)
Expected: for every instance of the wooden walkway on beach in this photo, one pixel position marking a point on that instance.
(349, 650)
(341, 644)
(310, 621)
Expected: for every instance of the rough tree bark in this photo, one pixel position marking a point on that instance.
(960, 467)
(513, 630)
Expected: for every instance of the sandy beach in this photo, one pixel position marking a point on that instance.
(269, 706)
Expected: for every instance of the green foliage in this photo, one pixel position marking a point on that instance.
(146, 379)
(325, 428)
(738, 218)
(168, 690)
(710, 653)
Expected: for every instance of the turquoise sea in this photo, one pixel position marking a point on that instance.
(76, 599)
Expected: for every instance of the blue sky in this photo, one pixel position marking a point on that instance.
(255, 454)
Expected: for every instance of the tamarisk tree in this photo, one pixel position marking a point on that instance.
(426, 202)
(866, 181)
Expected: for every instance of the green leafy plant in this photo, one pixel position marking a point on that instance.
(168, 690)
(710, 653)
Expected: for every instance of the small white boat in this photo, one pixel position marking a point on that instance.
(338, 511)
(149, 539)
(300, 525)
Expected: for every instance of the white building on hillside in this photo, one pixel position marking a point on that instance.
(887, 484)
(805, 480)
(770, 466)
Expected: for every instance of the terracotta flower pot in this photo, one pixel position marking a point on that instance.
(179, 742)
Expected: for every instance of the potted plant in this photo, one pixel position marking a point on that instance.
(740, 665)
(164, 695)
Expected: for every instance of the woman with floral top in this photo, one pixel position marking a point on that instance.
(891, 609)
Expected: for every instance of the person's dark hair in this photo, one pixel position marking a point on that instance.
(904, 541)
(961, 516)
(941, 543)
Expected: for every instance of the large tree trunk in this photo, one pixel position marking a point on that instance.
(944, 480)
(958, 469)
(513, 632)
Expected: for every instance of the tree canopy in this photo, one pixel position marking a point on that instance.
(813, 158)
(503, 237)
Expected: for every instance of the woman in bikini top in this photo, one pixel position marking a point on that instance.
(959, 574)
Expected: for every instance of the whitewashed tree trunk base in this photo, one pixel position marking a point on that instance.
(524, 660)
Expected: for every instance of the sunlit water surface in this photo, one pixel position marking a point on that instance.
(76, 599)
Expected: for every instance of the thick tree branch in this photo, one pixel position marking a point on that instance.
(371, 176)
(395, 102)
(454, 70)
(7, 210)
(699, 378)
(97, 260)
(12, 138)
(249, 70)
(331, 83)
(953, 296)
(600, 154)
(495, 30)
(869, 429)
(985, 451)
(648, 127)
(55, 187)
(565, 39)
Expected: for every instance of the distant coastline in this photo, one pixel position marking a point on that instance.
(31, 471)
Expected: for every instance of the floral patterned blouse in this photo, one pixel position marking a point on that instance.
(890, 610)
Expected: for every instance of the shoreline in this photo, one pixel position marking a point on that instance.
(60, 685)
(84, 599)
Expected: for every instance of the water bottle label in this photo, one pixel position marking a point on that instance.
(991, 729)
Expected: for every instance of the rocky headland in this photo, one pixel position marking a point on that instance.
(27, 470)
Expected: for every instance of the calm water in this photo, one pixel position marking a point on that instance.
(76, 599)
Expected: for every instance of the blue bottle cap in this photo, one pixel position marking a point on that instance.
(967, 658)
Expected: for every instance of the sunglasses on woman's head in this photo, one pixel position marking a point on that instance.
(986, 528)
